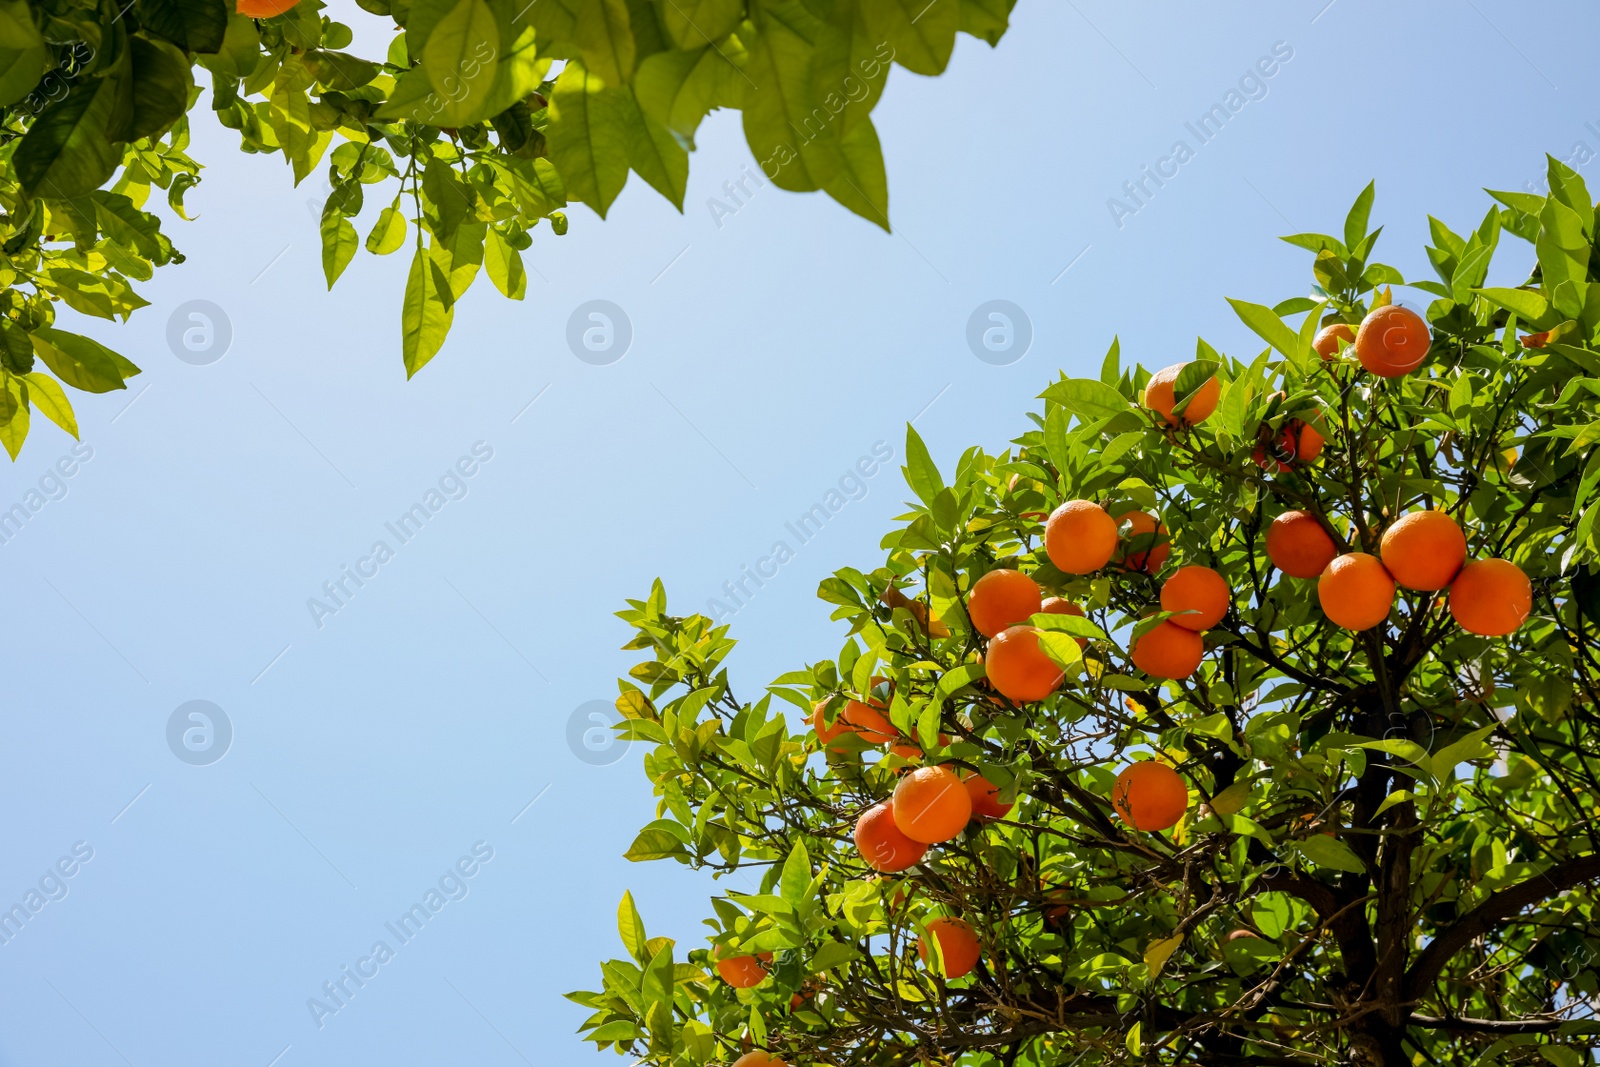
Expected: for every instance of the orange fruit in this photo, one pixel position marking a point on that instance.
(1151, 536)
(742, 972)
(931, 805)
(1392, 341)
(1491, 597)
(1200, 590)
(1328, 338)
(264, 9)
(759, 1057)
(1080, 537)
(1159, 397)
(1298, 545)
(825, 733)
(907, 749)
(1423, 550)
(880, 842)
(1002, 598)
(957, 944)
(1168, 651)
(929, 622)
(1061, 606)
(868, 721)
(1018, 668)
(985, 795)
(1150, 796)
(1356, 591)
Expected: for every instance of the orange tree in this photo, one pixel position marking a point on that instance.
(1274, 743)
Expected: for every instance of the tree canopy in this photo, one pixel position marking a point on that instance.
(483, 119)
(1381, 846)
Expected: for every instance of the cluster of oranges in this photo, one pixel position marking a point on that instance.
(1424, 551)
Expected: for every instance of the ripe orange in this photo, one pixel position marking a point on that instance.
(1491, 597)
(985, 795)
(742, 972)
(930, 623)
(1392, 341)
(1328, 338)
(1168, 651)
(1150, 795)
(1424, 550)
(1159, 397)
(1199, 590)
(1018, 668)
(881, 843)
(957, 944)
(825, 733)
(264, 9)
(1296, 441)
(868, 721)
(1151, 536)
(908, 749)
(931, 805)
(1002, 598)
(1080, 537)
(1298, 545)
(1061, 606)
(760, 1057)
(1356, 591)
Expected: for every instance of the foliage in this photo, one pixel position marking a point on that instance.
(1400, 820)
(484, 118)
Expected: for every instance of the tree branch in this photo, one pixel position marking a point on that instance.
(1500, 905)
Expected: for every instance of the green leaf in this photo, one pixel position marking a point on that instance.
(796, 876)
(922, 33)
(605, 36)
(654, 152)
(987, 20)
(1269, 327)
(589, 137)
(14, 427)
(677, 90)
(1330, 852)
(389, 232)
(23, 55)
(831, 955)
(79, 361)
(1355, 223)
(792, 133)
(339, 243)
(1086, 398)
(1074, 625)
(631, 927)
(51, 400)
(67, 152)
(425, 316)
(1194, 374)
(921, 473)
(1062, 650)
(860, 182)
(1528, 305)
(504, 264)
(160, 90)
(1443, 763)
(697, 23)
(462, 58)
(654, 843)
(192, 25)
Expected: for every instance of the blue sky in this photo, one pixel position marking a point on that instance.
(772, 349)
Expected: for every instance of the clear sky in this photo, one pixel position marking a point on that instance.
(772, 348)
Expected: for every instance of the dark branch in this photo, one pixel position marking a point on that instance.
(1500, 906)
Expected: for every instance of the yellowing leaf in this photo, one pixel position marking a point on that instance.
(1156, 956)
